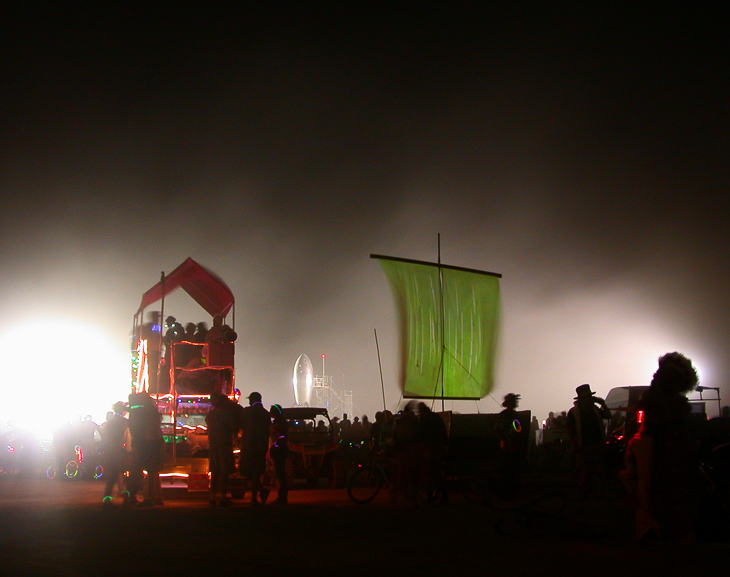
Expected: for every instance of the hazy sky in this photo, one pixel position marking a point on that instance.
(582, 154)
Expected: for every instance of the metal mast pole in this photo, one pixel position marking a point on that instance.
(173, 409)
(382, 385)
(159, 341)
(443, 331)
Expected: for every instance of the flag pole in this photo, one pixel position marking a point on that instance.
(443, 335)
(382, 385)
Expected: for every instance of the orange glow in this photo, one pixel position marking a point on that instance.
(143, 377)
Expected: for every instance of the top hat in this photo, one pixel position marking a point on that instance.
(584, 391)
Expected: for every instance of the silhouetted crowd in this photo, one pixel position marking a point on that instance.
(675, 468)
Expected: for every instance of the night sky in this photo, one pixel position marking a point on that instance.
(582, 153)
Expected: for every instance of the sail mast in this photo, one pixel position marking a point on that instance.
(443, 332)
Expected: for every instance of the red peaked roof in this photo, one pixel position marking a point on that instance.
(205, 287)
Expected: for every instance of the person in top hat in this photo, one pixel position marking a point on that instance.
(508, 430)
(587, 432)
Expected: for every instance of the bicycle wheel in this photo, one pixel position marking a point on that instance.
(365, 484)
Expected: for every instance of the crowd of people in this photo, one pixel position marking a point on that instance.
(133, 446)
(133, 449)
(194, 345)
(660, 471)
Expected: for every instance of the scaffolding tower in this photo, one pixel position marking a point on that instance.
(328, 395)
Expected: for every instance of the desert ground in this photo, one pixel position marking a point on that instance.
(58, 527)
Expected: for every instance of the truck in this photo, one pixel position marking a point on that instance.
(180, 374)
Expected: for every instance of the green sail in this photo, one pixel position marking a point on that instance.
(449, 323)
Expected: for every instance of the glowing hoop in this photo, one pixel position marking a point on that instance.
(72, 469)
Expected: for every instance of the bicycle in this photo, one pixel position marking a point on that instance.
(369, 478)
(414, 481)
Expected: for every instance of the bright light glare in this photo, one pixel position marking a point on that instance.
(55, 370)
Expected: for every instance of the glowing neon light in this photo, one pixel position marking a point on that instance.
(143, 376)
(72, 469)
(517, 426)
(79, 454)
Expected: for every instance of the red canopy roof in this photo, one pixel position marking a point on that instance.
(205, 287)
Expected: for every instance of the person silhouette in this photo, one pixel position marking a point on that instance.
(508, 429)
(278, 451)
(254, 443)
(222, 425)
(587, 432)
(661, 459)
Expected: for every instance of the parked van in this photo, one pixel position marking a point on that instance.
(623, 401)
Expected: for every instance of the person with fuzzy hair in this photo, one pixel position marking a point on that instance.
(661, 459)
